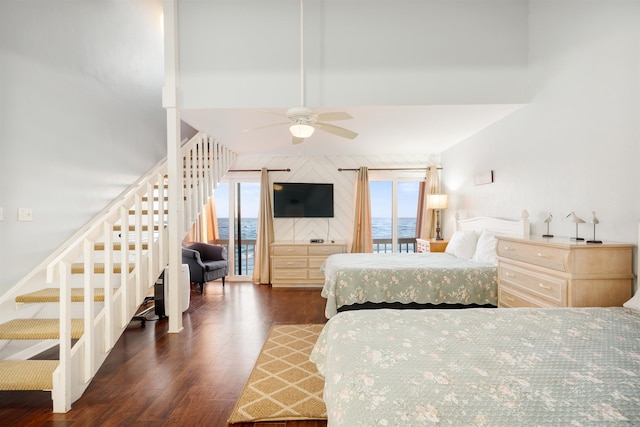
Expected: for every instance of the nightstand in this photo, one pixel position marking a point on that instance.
(431, 245)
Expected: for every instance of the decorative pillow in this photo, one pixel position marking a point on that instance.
(462, 244)
(634, 302)
(486, 248)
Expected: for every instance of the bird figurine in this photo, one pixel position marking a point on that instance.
(594, 221)
(548, 220)
(577, 220)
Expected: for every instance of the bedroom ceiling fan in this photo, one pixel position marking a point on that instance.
(303, 121)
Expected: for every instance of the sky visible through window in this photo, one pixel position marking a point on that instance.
(380, 193)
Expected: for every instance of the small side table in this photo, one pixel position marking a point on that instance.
(431, 245)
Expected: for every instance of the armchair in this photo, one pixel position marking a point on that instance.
(206, 262)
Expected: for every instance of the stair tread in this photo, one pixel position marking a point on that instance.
(53, 295)
(98, 268)
(100, 246)
(38, 329)
(27, 374)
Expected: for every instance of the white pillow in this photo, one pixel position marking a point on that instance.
(486, 248)
(462, 244)
(634, 302)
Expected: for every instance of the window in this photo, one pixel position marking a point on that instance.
(394, 230)
(238, 200)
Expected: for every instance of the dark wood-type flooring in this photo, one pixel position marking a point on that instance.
(191, 378)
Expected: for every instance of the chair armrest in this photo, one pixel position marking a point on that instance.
(212, 252)
(192, 257)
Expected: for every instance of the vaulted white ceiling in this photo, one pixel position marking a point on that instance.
(417, 77)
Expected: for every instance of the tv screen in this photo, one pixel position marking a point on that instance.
(302, 200)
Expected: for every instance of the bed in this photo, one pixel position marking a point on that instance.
(465, 275)
(476, 367)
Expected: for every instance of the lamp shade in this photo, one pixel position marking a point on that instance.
(301, 130)
(437, 201)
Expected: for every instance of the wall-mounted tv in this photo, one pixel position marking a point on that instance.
(302, 200)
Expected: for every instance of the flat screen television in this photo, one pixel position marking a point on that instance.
(302, 200)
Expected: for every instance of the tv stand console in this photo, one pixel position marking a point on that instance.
(298, 264)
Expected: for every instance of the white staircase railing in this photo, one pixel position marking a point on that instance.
(132, 235)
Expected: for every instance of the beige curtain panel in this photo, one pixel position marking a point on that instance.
(205, 229)
(362, 234)
(427, 217)
(264, 237)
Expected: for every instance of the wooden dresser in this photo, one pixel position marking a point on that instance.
(560, 272)
(298, 264)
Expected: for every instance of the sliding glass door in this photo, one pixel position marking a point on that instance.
(237, 209)
(394, 208)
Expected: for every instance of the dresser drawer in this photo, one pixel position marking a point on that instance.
(316, 274)
(292, 273)
(511, 299)
(283, 250)
(530, 282)
(321, 249)
(289, 262)
(298, 264)
(544, 256)
(316, 262)
(314, 267)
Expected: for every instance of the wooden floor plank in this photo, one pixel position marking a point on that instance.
(192, 378)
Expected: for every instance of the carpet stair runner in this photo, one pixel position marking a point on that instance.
(35, 374)
(53, 295)
(27, 374)
(98, 268)
(32, 374)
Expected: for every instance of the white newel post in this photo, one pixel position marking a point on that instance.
(175, 168)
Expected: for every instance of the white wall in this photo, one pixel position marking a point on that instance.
(80, 116)
(325, 170)
(576, 146)
(374, 52)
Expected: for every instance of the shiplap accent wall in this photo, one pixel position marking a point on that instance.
(325, 170)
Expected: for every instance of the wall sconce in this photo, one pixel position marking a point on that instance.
(437, 202)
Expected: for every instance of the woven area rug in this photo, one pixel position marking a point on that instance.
(284, 383)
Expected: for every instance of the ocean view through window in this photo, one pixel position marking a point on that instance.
(380, 229)
(393, 229)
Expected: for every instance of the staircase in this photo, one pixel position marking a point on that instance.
(82, 297)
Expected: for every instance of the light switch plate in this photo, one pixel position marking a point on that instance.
(1, 214)
(25, 214)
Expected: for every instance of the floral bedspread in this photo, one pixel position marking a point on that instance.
(434, 278)
(481, 367)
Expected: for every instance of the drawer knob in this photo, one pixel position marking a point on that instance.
(506, 273)
(543, 286)
(508, 248)
(509, 299)
(541, 255)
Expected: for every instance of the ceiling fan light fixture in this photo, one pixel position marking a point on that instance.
(301, 130)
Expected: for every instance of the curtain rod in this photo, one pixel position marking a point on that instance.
(259, 170)
(387, 169)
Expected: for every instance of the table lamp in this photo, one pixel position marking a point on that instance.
(437, 202)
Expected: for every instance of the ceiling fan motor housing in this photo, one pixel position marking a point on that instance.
(302, 115)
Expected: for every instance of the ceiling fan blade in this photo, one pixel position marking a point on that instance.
(266, 126)
(336, 130)
(336, 115)
(296, 140)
